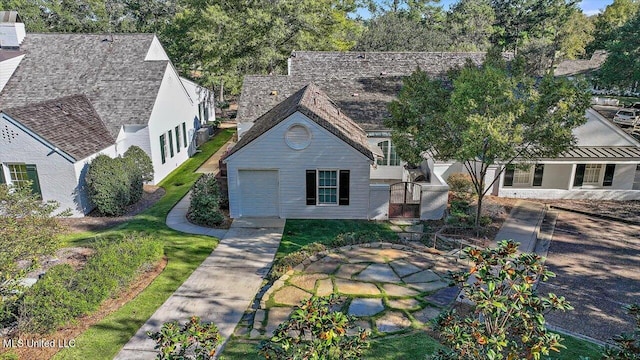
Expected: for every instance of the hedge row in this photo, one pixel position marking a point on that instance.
(64, 294)
(204, 208)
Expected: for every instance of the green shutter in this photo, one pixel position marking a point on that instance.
(537, 175)
(608, 175)
(32, 174)
(162, 145)
(579, 178)
(343, 196)
(184, 134)
(178, 138)
(2, 180)
(508, 175)
(170, 143)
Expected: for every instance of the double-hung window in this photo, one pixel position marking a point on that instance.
(390, 155)
(328, 187)
(21, 174)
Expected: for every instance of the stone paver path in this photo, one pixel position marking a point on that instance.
(389, 288)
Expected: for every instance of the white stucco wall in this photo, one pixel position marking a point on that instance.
(200, 95)
(156, 51)
(172, 107)
(379, 201)
(325, 151)
(56, 174)
(7, 68)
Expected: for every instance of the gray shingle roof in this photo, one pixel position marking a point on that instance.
(317, 106)
(361, 84)
(109, 69)
(354, 64)
(364, 100)
(577, 67)
(69, 123)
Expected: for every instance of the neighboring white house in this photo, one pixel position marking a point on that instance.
(362, 84)
(129, 82)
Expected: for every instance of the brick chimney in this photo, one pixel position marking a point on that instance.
(12, 30)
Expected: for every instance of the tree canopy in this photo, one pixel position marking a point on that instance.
(485, 116)
(622, 67)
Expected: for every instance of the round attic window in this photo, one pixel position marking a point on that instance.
(298, 137)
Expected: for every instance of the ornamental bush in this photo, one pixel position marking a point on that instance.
(204, 208)
(108, 185)
(176, 342)
(315, 331)
(141, 161)
(63, 294)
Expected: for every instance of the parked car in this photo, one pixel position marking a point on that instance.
(635, 105)
(629, 117)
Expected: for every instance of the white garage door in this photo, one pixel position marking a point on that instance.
(258, 193)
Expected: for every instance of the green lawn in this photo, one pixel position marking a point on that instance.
(184, 252)
(577, 348)
(298, 233)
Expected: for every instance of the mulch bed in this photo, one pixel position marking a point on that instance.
(627, 210)
(94, 221)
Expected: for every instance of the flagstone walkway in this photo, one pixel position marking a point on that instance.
(389, 287)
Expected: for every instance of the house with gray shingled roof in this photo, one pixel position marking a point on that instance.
(604, 164)
(65, 98)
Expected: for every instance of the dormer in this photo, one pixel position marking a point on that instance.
(12, 30)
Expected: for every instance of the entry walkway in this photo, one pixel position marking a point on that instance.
(522, 225)
(221, 288)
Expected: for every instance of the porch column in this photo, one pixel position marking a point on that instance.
(573, 175)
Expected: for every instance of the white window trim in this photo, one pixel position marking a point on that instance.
(318, 203)
(387, 156)
(600, 176)
(9, 179)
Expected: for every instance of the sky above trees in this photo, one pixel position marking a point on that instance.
(589, 7)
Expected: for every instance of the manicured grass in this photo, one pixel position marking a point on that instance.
(577, 348)
(298, 233)
(184, 252)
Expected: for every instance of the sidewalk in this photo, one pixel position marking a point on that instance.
(522, 225)
(221, 288)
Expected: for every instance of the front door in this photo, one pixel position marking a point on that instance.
(404, 200)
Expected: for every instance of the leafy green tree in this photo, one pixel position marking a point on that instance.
(399, 32)
(622, 67)
(628, 343)
(470, 25)
(314, 331)
(576, 34)
(507, 316)
(29, 229)
(221, 41)
(610, 20)
(175, 342)
(517, 21)
(485, 117)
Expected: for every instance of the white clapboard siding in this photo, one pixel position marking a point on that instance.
(325, 151)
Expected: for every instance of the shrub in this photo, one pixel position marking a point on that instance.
(289, 261)
(628, 344)
(461, 185)
(205, 202)
(63, 294)
(141, 161)
(174, 342)
(315, 331)
(108, 185)
(507, 316)
(361, 237)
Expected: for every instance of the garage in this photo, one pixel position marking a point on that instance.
(259, 191)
